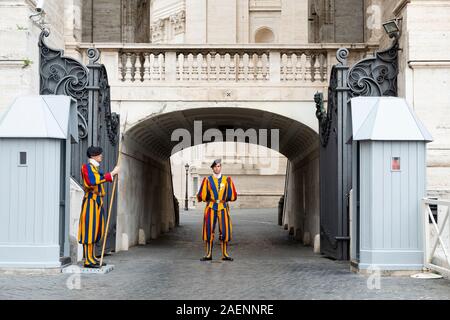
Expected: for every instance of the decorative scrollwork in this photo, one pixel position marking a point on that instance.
(376, 76)
(65, 76)
(323, 117)
(93, 54)
(111, 118)
(326, 117)
(342, 55)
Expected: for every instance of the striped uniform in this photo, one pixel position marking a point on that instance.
(92, 218)
(217, 193)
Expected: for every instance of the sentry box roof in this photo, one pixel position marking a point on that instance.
(386, 118)
(49, 116)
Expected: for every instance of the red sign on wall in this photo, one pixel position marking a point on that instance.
(395, 164)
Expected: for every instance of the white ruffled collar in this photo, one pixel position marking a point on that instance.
(94, 162)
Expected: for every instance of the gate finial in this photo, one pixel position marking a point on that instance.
(342, 55)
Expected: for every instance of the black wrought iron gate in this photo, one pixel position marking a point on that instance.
(374, 76)
(97, 125)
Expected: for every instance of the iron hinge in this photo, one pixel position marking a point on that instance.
(342, 238)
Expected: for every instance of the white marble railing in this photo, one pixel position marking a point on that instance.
(436, 235)
(224, 66)
(240, 63)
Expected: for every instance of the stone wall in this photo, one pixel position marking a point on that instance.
(19, 59)
(102, 21)
(145, 206)
(425, 81)
(302, 202)
(338, 21)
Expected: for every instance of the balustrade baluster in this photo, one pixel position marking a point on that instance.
(241, 71)
(128, 68)
(147, 76)
(299, 70)
(316, 69)
(190, 65)
(222, 75)
(258, 67)
(122, 66)
(251, 68)
(284, 67)
(289, 68)
(246, 61)
(212, 68)
(162, 66)
(179, 70)
(204, 76)
(232, 68)
(308, 64)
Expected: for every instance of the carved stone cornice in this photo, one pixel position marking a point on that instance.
(157, 30)
(178, 22)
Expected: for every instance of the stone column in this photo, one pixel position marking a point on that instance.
(294, 22)
(221, 23)
(243, 17)
(72, 27)
(128, 16)
(374, 19)
(196, 19)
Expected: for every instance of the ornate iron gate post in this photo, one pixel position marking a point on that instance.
(97, 125)
(104, 129)
(374, 76)
(334, 162)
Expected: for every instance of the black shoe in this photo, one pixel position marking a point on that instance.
(98, 263)
(92, 266)
(227, 259)
(206, 259)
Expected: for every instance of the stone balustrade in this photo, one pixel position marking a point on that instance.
(227, 64)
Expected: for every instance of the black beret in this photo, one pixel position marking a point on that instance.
(94, 151)
(216, 162)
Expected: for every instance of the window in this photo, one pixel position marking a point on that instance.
(22, 158)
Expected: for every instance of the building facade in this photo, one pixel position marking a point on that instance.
(255, 63)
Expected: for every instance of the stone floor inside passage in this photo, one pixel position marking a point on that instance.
(268, 265)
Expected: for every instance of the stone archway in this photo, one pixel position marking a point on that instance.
(146, 207)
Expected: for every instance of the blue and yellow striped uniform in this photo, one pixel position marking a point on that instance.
(217, 193)
(92, 218)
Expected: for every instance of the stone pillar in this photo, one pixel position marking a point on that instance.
(72, 27)
(196, 18)
(374, 19)
(221, 21)
(171, 66)
(72, 20)
(243, 17)
(294, 22)
(128, 18)
(275, 64)
(424, 80)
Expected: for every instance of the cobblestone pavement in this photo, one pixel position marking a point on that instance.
(268, 265)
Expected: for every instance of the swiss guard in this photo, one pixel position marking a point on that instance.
(217, 190)
(92, 218)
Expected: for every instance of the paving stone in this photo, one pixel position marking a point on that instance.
(268, 265)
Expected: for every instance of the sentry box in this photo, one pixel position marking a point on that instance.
(389, 171)
(36, 133)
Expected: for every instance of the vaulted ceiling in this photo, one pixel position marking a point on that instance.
(155, 133)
